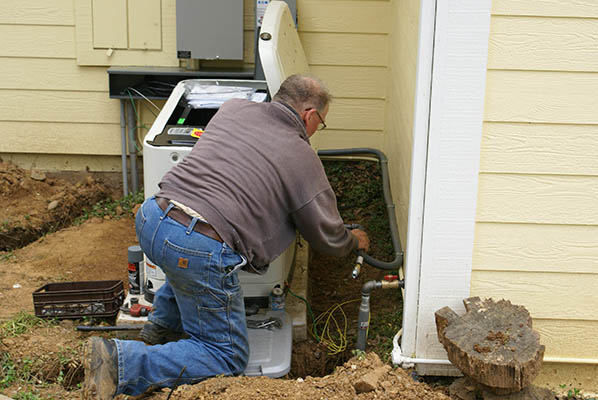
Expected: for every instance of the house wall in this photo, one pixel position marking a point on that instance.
(398, 143)
(55, 112)
(536, 240)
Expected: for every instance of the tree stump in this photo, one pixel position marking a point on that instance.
(492, 343)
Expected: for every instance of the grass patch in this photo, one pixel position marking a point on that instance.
(12, 373)
(111, 208)
(19, 324)
(40, 366)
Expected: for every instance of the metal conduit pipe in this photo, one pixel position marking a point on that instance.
(123, 145)
(132, 150)
(390, 207)
(363, 319)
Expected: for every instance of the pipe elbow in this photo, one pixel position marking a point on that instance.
(367, 287)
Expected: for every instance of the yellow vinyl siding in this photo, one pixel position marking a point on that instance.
(553, 149)
(58, 106)
(536, 247)
(345, 43)
(536, 238)
(402, 52)
(531, 43)
(542, 96)
(44, 89)
(546, 8)
(58, 74)
(344, 49)
(558, 335)
(538, 199)
(70, 137)
(339, 139)
(358, 16)
(53, 113)
(35, 41)
(353, 82)
(545, 295)
(37, 12)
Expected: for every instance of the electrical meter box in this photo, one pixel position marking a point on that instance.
(209, 29)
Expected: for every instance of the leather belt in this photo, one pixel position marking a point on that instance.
(184, 219)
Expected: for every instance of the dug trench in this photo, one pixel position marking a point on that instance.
(69, 236)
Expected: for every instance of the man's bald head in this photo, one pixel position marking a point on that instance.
(303, 93)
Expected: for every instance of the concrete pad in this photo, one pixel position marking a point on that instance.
(294, 306)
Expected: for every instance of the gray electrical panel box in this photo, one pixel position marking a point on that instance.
(209, 29)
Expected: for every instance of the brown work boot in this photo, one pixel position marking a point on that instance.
(101, 369)
(155, 334)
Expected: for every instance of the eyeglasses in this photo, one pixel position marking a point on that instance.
(321, 126)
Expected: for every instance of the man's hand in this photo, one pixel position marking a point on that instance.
(362, 239)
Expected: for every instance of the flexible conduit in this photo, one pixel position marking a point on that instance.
(390, 207)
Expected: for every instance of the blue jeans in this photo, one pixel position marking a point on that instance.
(202, 297)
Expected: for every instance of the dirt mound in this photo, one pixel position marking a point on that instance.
(33, 204)
(95, 250)
(362, 377)
(51, 356)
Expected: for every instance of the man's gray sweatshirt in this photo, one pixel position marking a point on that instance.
(255, 178)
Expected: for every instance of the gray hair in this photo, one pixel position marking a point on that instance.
(304, 92)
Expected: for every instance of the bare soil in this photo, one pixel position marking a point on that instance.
(97, 250)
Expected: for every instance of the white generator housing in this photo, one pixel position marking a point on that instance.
(177, 142)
